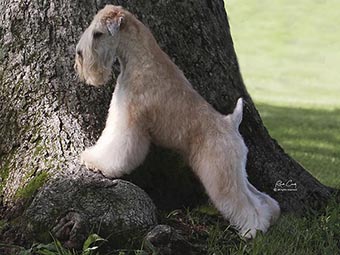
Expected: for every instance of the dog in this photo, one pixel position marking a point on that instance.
(154, 102)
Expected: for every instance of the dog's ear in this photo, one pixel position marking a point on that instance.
(114, 22)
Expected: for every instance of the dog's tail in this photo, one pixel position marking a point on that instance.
(236, 116)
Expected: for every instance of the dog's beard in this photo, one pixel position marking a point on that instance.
(92, 73)
(98, 79)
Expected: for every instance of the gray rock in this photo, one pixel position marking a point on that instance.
(165, 240)
(72, 208)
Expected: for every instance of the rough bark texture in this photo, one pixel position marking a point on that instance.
(47, 117)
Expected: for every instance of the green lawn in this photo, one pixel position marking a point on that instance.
(289, 54)
(289, 50)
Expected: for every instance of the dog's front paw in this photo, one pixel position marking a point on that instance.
(87, 159)
(95, 162)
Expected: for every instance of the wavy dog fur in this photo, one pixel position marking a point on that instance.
(154, 102)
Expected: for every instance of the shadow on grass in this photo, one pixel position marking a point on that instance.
(311, 136)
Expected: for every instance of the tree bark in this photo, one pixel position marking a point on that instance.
(47, 117)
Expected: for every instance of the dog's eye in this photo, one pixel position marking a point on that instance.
(97, 34)
(79, 53)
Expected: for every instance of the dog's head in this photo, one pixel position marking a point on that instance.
(96, 49)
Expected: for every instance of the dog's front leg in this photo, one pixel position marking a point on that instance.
(122, 146)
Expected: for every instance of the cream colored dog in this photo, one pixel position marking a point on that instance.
(154, 102)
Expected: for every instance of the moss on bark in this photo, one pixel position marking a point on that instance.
(28, 190)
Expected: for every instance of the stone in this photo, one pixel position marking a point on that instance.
(74, 207)
(166, 240)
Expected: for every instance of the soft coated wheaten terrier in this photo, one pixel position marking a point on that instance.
(154, 102)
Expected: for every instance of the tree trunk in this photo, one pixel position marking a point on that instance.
(47, 117)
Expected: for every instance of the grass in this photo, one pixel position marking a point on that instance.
(289, 56)
(311, 234)
(311, 136)
(90, 247)
(288, 50)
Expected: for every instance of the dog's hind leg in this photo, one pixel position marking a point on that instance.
(220, 166)
(266, 199)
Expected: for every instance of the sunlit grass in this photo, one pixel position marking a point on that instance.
(288, 50)
(289, 54)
